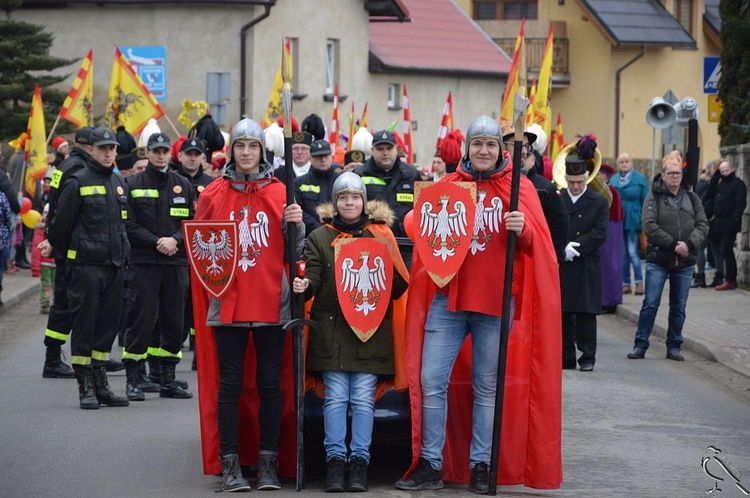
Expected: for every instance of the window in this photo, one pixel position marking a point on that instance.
(218, 91)
(394, 96)
(332, 67)
(683, 12)
(505, 9)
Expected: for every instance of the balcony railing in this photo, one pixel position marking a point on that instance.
(535, 54)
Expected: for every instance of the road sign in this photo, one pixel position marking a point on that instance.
(151, 65)
(711, 74)
(715, 108)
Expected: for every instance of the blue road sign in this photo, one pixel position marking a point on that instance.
(711, 74)
(151, 65)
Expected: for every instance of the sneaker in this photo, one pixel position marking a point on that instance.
(356, 475)
(335, 476)
(638, 353)
(727, 286)
(422, 477)
(674, 354)
(268, 473)
(480, 479)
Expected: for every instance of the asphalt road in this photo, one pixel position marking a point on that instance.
(630, 428)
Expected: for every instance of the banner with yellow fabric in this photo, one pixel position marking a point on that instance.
(36, 144)
(273, 109)
(78, 106)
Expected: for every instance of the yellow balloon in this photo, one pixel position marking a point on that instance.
(31, 218)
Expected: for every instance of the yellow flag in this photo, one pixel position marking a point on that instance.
(529, 120)
(78, 106)
(511, 87)
(36, 144)
(542, 112)
(273, 109)
(559, 142)
(131, 104)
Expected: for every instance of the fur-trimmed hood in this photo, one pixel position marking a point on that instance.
(378, 209)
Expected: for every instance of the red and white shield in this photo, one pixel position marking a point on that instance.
(444, 222)
(212, 250)
(364, 280)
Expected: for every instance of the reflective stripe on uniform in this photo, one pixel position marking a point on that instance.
(192, 331)
(181, 212)
(72, 254)
(152, 351)
(163, 353)
(404, 197)
(373, 180)
(80, 360)
(56, 335)
(56, 178)
(144, 192)
(133, 356)
(93, 190)
(310, 188)
(100, 355)
(124, 214)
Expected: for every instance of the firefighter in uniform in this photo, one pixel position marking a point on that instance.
(58, 322)
(316, 186)
(158, 275)
(191, 157)
(89, 229)
(389, 179)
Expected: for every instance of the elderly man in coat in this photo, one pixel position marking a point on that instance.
(580, 273)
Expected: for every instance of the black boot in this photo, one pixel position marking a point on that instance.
(335, 481)
(718, 280)
(1, 300)
(231, 474)
(132, 382)
(170, 388)
(112, 365)
(699, 281)
(103, 393)
(154, 373)
(144, 381)
(86, 396)
(268, 473)
(356, 475)
(54, 368)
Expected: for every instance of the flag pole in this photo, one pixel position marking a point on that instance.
(174, 128)
(52, 130)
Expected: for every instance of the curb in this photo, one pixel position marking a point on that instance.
(16, 299)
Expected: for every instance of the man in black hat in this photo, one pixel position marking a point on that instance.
(301, 142)
(89, 229)
(386, 177)
(580, 272)
(59, 320)
(352, 160)
(315, 187)
(158, 277)
(549, 196)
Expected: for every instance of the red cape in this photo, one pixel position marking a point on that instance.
(530, 448)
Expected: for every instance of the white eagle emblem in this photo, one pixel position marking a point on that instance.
(487, 220)
(442, 226)
(253, 237)
(364, 281)
(213, 249)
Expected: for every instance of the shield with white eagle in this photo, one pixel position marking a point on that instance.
(443, 226)
(364, 280)
(212, 251)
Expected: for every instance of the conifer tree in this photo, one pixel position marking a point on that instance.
(734, 84)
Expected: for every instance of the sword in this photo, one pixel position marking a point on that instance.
(298, 322)
(519, 110)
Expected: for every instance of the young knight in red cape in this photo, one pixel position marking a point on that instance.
(246, 387)
(452, 429)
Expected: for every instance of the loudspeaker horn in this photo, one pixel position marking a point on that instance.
(660, 114)
(686, 109)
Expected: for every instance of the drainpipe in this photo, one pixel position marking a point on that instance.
(617, 98)
(243, 51)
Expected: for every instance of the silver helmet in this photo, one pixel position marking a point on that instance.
(346, 183)
(484, 127)
(249, 129)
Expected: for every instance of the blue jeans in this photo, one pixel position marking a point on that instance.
(631, 257)
(445, 333)
(679, 285)
(342, 389)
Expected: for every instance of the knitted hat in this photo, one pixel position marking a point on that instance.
(450, 150)
(58, 142)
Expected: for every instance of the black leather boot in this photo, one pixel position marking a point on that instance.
(356, 475)
(144, 381)
(699, 281)
(335, 480)
(87, 398)
(54, 368)
(170, 388)
(103, 393)
(231, 474)
(132, 378)
(154, 373)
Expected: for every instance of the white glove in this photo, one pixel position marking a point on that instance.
(570, 252)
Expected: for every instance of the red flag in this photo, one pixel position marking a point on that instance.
(333, 133)
(408, 144)
(444, 128)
